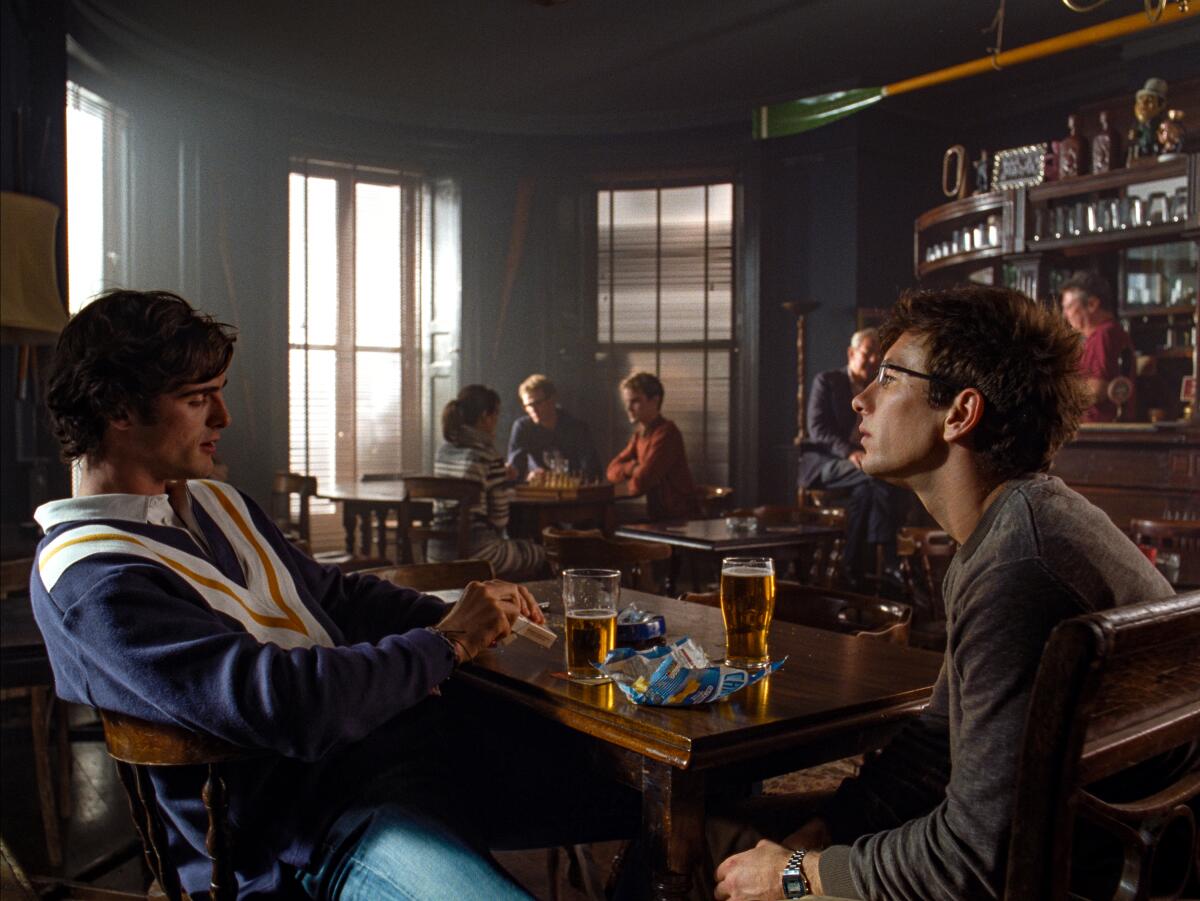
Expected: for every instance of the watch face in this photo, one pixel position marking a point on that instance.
(793, 886)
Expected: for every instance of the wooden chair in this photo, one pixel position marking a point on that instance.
(572, 549)
(26, 674)
(137, 745)
(435, 576)
(464, 493)
(297, 527)
(1114, 689)
(925, 555)
(818, 563)
(1181, 536)
(833, 610)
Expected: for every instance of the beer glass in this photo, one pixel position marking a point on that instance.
(590, 601)
(747, 603)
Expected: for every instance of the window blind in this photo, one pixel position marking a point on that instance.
(665, 305)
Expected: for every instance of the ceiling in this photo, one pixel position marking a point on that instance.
(578, 67)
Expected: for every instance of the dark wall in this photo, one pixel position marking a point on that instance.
(826, 216)
(33, 65)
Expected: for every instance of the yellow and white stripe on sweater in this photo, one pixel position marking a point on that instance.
(269, 607)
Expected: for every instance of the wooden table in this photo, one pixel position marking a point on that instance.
(529, 515)
(367, 505)
(836, 696)
(715, 538)
(365, 509)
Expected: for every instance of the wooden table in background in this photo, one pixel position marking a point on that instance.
(367, 505)
(593, 509)
(836, 696)
(365, 509)
(714, 538)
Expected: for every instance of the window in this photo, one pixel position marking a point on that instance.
(97, 196)
(363, 274)
(665, 305)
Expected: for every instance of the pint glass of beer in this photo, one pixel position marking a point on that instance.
(747, 603)
(590, 600)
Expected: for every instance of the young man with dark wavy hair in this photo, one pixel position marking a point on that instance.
(977, 390)
(172, 598)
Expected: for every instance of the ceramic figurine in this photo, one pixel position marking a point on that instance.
(1148, 107)
(1170, 132)
(983, 173)
(1072, 152)
(1105, 146)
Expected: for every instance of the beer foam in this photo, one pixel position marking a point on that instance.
(746, 572)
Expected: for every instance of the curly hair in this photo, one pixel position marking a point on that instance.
(122, 351)
(1021, 356)
(473, 403)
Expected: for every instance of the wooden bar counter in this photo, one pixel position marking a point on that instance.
(1135, 470)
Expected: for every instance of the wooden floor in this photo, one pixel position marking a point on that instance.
(100, 822)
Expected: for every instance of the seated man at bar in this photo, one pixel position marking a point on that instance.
(977, 391)
(172, 598)
(548, 427)
(1087, 306)
(654, 462)
(833, 454)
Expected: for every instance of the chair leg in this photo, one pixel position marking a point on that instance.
(63, 742)
(587, 871)
(39, 713)
(553, 874)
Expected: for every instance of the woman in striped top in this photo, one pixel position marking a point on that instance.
(469, 427)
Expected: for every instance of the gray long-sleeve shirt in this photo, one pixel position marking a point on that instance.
(1040, 554)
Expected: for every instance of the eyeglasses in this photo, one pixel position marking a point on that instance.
(883, 367)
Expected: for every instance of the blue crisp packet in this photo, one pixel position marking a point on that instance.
(677, 674)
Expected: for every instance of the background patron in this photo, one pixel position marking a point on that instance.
(548, 427)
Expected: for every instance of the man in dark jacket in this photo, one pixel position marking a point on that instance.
(833, 454)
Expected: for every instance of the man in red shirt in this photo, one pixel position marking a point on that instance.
(1087, 307)
(654, 462)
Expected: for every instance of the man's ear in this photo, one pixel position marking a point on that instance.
(964, 414)
(122, 422)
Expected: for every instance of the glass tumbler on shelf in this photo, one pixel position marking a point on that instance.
(747, 605)
(1156, 209)
(1179, 209)
(590, 602)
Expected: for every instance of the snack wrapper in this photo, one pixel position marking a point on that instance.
(677, 674)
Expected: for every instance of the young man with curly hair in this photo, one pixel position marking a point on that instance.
(172, 598)
(977, 390)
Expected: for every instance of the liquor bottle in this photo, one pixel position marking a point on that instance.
(1072, 152)
(1106, 146)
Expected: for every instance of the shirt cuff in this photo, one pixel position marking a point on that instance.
(834, 869)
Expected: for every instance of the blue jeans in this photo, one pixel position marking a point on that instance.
(381, 852)
(874, 511)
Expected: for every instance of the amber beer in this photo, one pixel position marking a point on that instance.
(747, 604)
(590, 603)
(591, 634)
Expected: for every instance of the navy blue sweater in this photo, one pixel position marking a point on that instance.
(131, 635)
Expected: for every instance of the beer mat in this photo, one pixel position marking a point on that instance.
(678, 674)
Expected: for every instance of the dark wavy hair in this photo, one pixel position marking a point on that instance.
(119, 353)
(473, 402)
(1021, 356)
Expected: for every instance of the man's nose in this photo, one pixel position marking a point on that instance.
(859, 402)
(218, 417)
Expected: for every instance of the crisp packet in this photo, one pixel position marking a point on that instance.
(677, 674)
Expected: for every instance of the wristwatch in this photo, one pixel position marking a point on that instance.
(795, 883)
